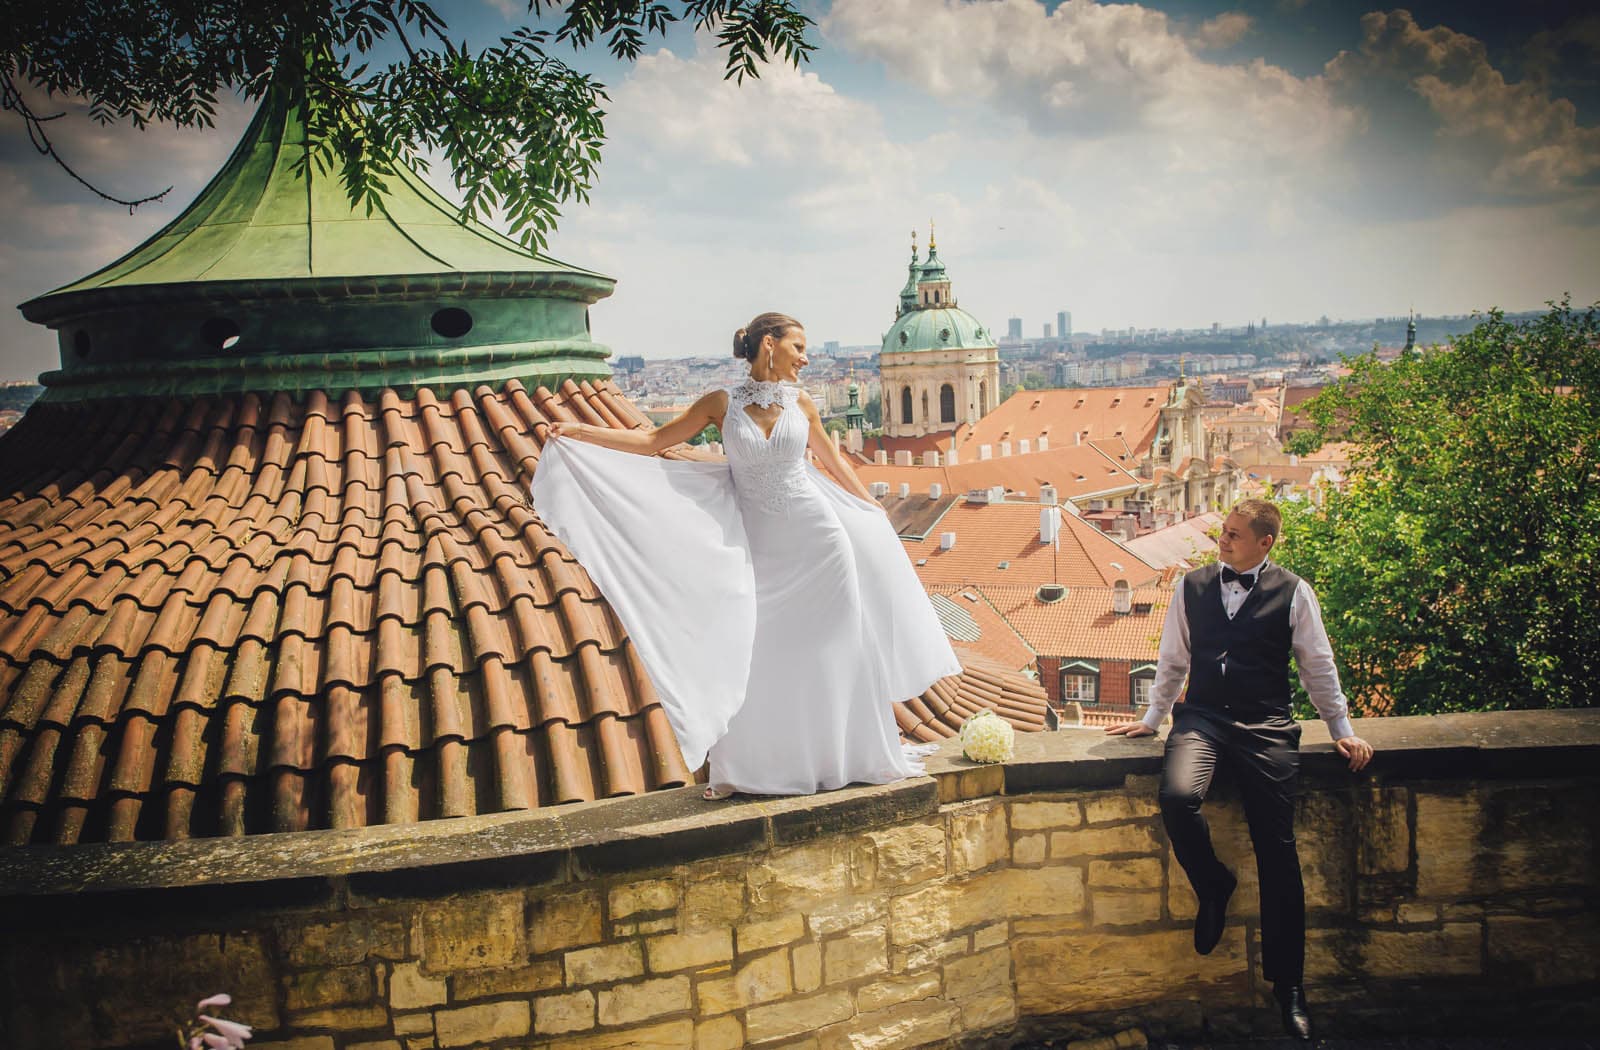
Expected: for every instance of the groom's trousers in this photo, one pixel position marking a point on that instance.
(1264, 760)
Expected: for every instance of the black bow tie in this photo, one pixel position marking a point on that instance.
(1246, 580)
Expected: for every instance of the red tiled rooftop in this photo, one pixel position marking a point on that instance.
(1084, 623)
(243, 615)
(996, 639)
(1076, 471)
(988, 534)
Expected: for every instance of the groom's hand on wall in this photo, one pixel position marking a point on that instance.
(1130, 729)
(1357, 750)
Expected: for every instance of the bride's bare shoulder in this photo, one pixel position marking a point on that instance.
(713, 403)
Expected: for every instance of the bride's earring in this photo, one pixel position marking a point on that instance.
(769, 361)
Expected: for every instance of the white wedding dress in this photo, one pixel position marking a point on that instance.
(777, 614)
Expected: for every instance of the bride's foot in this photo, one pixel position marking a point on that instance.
(717, 793)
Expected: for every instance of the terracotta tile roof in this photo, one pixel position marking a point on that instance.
(988, 534)
(241, 615)
(974, 623)
(915, 445)
(1075, 471)
(1106, 412)
(1082, 624)
(938, 713)
(1181, 543)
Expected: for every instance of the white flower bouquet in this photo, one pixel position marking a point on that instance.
(986, 737)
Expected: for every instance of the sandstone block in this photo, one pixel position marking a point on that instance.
(1028, 849)
(469, 1025)
(896, 990)
(346, 1018)
(559, 1014)
(345, 984)
(1040, 816)
(1125, 908)
(670, 1035)
(1416, 914)
(1128, 970)
(377, 1044)
(758, 936)
(642, 1000)
(990, 936)
(1119, 806)
(1323, 834)
(413, 1024)
(1545, 952)
(1102, 841)
(1132, 873)
(909, 853)
(797, 1015)
(982, 781)
(307, 1042)
(651, 895)
(937, 911)
(893, 1028)
(807, 961)
(859, 953)
(978, 837)
(793, 878)
(684, 951)
(604, 962)
(719, 1033)
(481, 931)
(1453, 950)
(758, 980)
(565, 920)
(847, 913)
(1383, 842)
(410, 990)
(985, 972)
(343, 941)
(919, 957)
(525, 980)
(1447, 844)
(713, 900)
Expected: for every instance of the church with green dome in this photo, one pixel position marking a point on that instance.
(940, 365)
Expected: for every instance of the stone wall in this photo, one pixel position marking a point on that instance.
(1451, 889)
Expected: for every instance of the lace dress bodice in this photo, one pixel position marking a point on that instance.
(768, 469)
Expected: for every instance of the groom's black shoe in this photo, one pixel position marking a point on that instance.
(1296, 1019)
(1212, 916)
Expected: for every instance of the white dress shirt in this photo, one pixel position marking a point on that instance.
(1312, 653)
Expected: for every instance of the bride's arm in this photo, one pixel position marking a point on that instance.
(704, 412)
(820, 443)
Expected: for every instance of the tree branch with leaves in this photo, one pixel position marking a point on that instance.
(521, 130)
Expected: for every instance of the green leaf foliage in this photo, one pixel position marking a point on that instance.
(1457, 571)
(520, 129)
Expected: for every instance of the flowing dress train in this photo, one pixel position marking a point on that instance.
(777, 614)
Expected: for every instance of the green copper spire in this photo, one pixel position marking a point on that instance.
(271, 280)
(908, 294)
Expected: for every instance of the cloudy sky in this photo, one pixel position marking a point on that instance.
(1164, 164)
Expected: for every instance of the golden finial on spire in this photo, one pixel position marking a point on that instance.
(932, 246)
(1180, 368)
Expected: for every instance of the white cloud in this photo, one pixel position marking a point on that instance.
(1094, 70)
(1225, 30)
(1515, 135)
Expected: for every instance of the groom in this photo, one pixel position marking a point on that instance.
(1231, 628)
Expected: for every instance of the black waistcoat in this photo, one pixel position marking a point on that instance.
(1240, 666)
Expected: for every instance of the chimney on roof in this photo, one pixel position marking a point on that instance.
(879, 489)
(881, 458)
(947, 540)
(902, 458)
(1044, 443)
(985, 451)
(997, 494)
(905, 490)
(930, 459)
(1121, 598)
(1077, 437)
(935, 490)
(1047, 495)
(1049, 524)
(1024, 446)
(952, 458)
(1005, 448)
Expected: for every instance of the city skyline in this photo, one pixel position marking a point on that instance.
(1159, 165)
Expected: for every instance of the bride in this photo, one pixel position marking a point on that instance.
(774, 608)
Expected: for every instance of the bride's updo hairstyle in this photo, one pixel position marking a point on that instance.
(747, 340)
